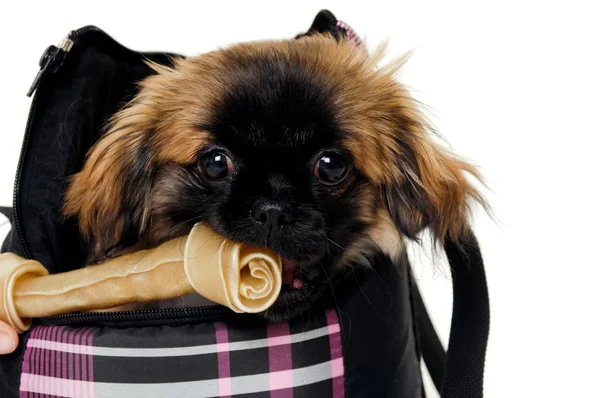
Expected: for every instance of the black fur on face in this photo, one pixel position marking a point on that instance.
(274, 125)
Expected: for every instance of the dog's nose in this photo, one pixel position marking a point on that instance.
(271, 214)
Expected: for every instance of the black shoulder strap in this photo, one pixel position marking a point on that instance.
(459, 373)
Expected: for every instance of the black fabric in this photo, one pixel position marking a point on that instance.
(470, 321)
(67, 115)
(460, 372)
(324, 22)
(10, 369)
(380, 359)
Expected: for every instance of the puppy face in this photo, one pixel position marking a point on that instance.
(302, 146)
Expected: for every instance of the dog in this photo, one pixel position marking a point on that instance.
(307, 147)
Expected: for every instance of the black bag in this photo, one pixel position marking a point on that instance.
(368, 345)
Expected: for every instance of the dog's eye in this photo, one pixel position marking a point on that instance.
(217, 165)
(332, 168)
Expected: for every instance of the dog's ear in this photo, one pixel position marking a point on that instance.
(430, 189)
(110, 195)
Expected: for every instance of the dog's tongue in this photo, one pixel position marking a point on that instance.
(288, 274)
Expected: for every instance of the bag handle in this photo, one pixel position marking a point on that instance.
(459, 372)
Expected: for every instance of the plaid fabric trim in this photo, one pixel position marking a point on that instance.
(296, 359)
(48, 369)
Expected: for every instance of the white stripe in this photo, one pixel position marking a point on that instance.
(175, 351)
(200, 389)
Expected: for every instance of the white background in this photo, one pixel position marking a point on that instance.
(513, 87)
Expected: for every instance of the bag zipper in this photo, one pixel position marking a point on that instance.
(158, 317)
(163, 316)
(54, 56)
(51, 61)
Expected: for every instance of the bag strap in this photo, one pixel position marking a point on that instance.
(459, 373)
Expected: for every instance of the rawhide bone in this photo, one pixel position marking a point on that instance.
(243, 278)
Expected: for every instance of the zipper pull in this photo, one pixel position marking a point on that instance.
(51, 61)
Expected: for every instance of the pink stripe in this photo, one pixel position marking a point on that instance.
(49, 359)
(36, 356)
(87, 376)
(71, 363)
(283, 393)
(225, 387)
(279, 340)
(63, 359)
(280, 360)
(278, 330)
(75, 358)
(337, 360)
(23, 391)
(43, 384)
(46, 355)
(40, 356)
(79, 362)
(26, 380)
(53, 353)
(61, 362)
(223, 359)
(82, 349)
(57, 354)
(337, 368)
(47, 371)
(41, 353)
(27, 366)
(84, 363)
(90, 353)
(281, 381)
(53, 358)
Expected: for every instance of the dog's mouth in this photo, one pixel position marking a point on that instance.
(298, 276)
(290, 275)
(302, 286)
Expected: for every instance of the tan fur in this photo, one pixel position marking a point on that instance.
(382, 234)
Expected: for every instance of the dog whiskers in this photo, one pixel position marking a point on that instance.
(341, 247)
(172, 229)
